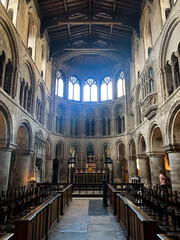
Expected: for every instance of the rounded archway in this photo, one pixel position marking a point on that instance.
(23, 166)
(157, 154)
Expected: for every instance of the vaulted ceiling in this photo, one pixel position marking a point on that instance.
(106, 25)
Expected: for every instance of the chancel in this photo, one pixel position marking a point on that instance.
(89, 119)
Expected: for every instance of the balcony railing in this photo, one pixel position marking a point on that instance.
(150, 105)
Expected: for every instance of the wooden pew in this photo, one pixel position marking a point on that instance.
(8, 236)
(167, 237)
(37, 224)
(136, 224)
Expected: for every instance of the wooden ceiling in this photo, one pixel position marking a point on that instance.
(106, 25)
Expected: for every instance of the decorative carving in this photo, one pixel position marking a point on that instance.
(149, 106)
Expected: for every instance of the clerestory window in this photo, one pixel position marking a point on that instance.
(74, 89)
(121, 85)
(59, 91)
(106, 89)
(90, 90)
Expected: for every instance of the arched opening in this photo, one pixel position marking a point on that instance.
(49, 162)
(106, 122)
(60, 119)
(3, 131)
(43, 62)
(157, 157)
(147, 34)
(143, 163)
(74, 123)
(8, 77)
(133, 165)
(21, 159)
(31, 38)
(176, 129)
(122, 164)
(40, 104)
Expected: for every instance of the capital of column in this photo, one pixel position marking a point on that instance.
(172, 148)
(24, 153)
(141, 156)
(155, 154)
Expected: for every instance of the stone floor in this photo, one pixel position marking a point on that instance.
(86, 219)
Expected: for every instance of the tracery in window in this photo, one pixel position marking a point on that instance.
(90, 90)
(121, 85)
(59, 91)
(106, 89)
(74, 89)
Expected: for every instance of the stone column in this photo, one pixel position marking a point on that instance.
(173, 74)
(5, 159)
(23, 167)
(117, 174)
(132, 168)
(174, 161)
(3, 75)
(156, 165)
(144, 169)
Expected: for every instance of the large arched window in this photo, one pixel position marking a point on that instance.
(106, 89)
(90, 90)
(59, 91)
(121, 85)
(74, 89)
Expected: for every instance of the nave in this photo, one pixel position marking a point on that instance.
(86, 218)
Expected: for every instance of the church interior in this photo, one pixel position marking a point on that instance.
(90, 105)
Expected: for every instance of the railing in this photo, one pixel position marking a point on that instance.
(8, 236)
(66, 197)
(37, 224)
(86, 187)
(112, 196)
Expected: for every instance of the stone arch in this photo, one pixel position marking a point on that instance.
(120, 118)
(32, 33)
(49, 161)
(172, 124)
(40, 102)
(132, 147)
(6, 131)
(26, 96)
(141, 144)
(138, 104)
(59, 168)
(147, 34)
(156, 153)
(166, 50)
(43, 60)
(156, 139)
(121, 166)
(90, 116)
(106, 120)
(74, 121)
(8, 46)
(132, 164)
(60, 118)
(26, 125)
(21, 169)
(143, 161)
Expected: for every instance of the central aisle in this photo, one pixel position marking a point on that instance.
(87, 219)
